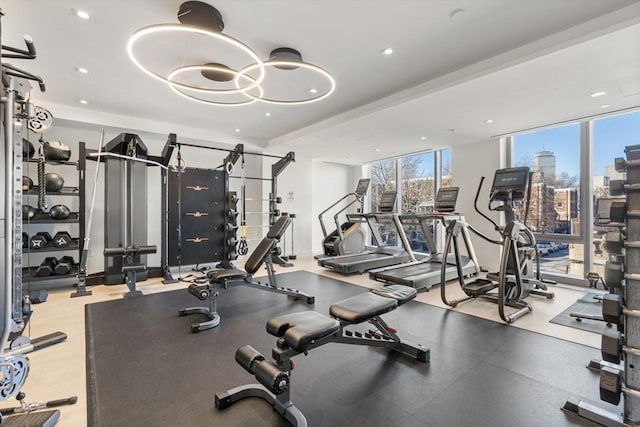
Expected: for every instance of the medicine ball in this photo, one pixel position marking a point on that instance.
(53, 182)
(28, 211)
(27, 183)
(28, 150)
(59, 212)
(56, 151)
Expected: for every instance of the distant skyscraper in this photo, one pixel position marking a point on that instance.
(545, 162)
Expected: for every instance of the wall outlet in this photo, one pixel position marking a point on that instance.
(290, 195)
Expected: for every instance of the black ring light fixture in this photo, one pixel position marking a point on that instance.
(197, 17)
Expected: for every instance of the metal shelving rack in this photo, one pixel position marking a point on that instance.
(76, 244)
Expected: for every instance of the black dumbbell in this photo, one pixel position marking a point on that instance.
(40, 240)
(25, 240)
(47, 267)
(64, 266)
(61, 239)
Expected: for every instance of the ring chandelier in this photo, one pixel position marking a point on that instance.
(200, 18)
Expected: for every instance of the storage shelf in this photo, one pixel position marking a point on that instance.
(66, 191)
(73, 246)
(44, 218)
(28, 275)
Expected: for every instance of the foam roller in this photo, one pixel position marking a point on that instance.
(247, 357)
(272, 377)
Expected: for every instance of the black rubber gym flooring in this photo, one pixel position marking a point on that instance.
(145, 367)
(586, 304)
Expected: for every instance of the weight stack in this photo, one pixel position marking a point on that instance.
(231, 227)
(631, 284)
(197, 216)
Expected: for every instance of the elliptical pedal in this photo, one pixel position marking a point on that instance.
(479, 287)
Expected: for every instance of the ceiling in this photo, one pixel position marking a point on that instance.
(521, 64)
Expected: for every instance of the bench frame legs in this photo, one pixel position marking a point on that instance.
(280, 403)
(212, 312)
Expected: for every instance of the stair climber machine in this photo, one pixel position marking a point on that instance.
(348, 237)
(382, 255)
(515, 279)
(425, 273)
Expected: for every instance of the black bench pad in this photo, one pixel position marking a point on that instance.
(362, 307)
(217, 276)
(300, 329)
(400, 293)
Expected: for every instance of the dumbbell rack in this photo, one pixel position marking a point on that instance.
(620, 366)
(28, 272)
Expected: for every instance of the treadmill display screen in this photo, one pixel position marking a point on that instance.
(510, 182)
(387, 201)
(362, 187)
(446, 199)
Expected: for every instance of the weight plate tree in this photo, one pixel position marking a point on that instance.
(198, 214)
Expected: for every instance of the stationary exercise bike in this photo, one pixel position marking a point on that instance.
(516, 278)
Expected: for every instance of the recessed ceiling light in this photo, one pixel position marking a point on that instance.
(423, 138)
(387, 51)
(268, 114)
(237, 130)
(82, 14)
(313, 90)
(83, 101)
(489, 120)
(605, 106)
(597, 94)
(377, 149)
(82, 70)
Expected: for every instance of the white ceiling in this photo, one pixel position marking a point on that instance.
(521, 63)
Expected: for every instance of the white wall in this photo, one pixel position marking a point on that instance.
(330, 182)
(468, 164)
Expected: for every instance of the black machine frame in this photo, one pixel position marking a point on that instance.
(515, 279)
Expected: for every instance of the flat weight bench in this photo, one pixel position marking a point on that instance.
(233, 276)
(301, 332)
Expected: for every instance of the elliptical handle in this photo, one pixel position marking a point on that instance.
(475, 205)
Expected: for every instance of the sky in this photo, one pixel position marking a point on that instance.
(610, 136)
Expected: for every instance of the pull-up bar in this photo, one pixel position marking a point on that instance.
(184, 144)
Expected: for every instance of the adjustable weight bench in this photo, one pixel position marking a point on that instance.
(233, 276)
(301, 332)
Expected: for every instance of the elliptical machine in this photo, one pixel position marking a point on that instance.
(516, 278)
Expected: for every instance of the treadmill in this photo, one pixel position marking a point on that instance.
(426, 273)
(381, 256)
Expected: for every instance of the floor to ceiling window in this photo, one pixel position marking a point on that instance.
(568, 242)
(610, 136)
(419, 175)
(553, 155)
